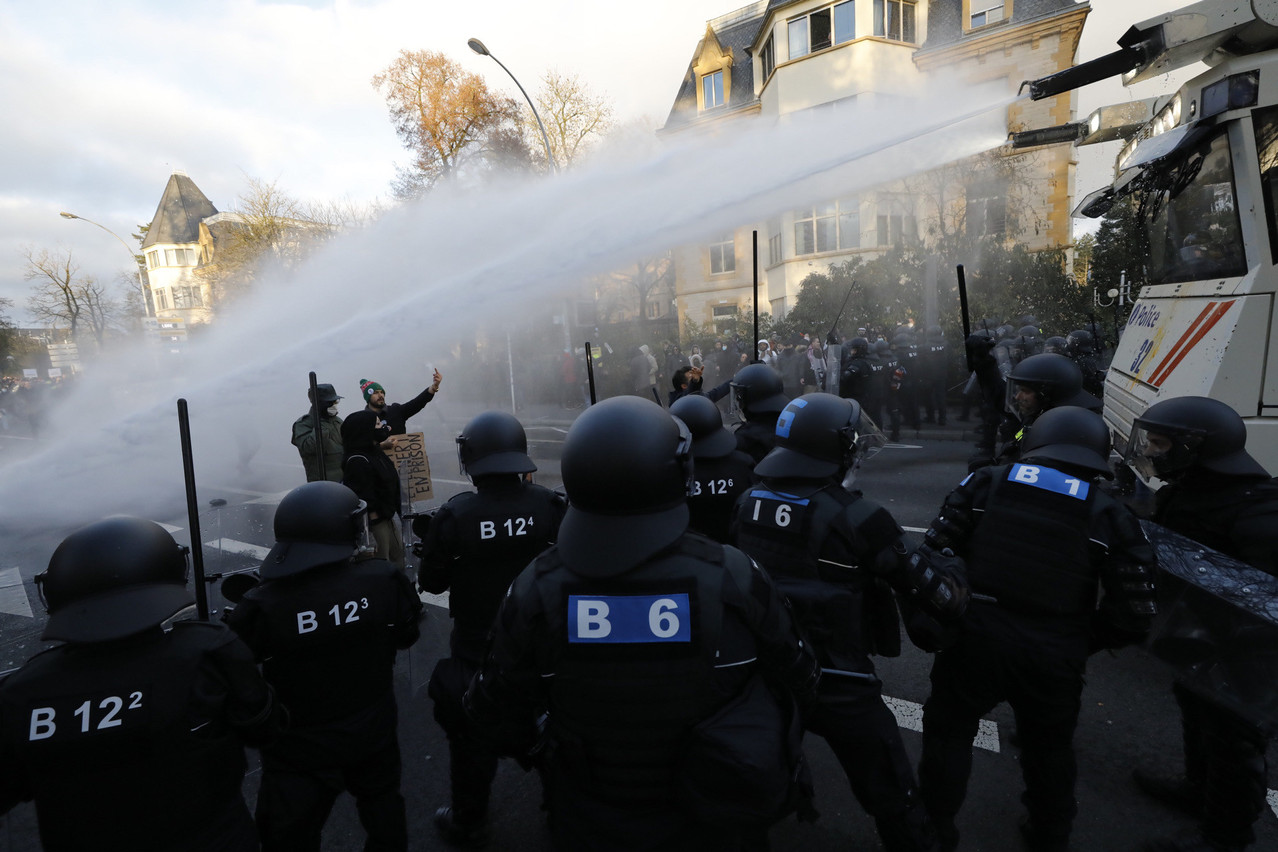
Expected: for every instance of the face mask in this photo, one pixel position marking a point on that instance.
(332, 410)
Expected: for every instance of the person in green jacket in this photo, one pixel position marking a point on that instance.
(331, 432)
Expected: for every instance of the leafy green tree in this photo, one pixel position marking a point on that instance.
(1121, 246)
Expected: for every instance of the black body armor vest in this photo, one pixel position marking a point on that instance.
(1031, 551)
(127, 744)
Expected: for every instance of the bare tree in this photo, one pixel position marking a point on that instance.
(446, 117)
(268, 230)
(574, 117)
(62, 295)
(625, 293)
(984, 196)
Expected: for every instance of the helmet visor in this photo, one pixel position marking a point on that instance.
(1152, 453)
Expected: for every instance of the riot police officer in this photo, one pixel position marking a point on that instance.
(628, 633)
(1081, 347)
(857, 372)
(326, 627)
(477, 543)
(1039, 539)
(131, 734)
(721, 471)
(1216, 494)
(759, 395)
(934, 381)
(1035, 385)
(837, 556)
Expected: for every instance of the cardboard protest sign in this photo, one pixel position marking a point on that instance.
(409, 456)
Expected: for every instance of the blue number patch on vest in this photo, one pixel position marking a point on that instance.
(629, 619)
(1049, 480)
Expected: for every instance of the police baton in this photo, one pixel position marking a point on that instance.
(590, 371)
(967, 319)
(193, 511)
(315, 424)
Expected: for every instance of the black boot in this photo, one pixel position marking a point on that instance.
(1174, 790)
(454, 834)
(1193, 841)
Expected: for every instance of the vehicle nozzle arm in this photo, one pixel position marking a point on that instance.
(1102, 68)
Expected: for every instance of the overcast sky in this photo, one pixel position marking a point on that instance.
(102, 101)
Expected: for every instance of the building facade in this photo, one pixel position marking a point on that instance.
(172, 252)
(774, 58)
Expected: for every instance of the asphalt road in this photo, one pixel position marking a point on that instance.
(1128, 715)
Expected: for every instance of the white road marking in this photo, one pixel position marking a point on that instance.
(435, 600)
(230, 545)
(915, 529)
(13, 597)
(1272, 798)
(910, 716)
(268, 499)
(892, 446)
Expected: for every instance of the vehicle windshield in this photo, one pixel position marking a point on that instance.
(1187, 205)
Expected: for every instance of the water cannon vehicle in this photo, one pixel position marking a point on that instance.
(1201, 166)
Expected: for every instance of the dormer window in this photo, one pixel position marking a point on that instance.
(713, 70)
(983, 12)
(712, 90)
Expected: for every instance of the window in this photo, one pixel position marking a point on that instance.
(985, 12)
(822, 28)
(175, 257)
(153, 259)
(894, 222)
(986, 210)
(849, 224)
(712, 90)
(161, 298)
(767, 59)
(775, 254)
(187, 296)
(725, 318)
(894, 19)
(827, 227)
(1187, 205)
(723, 256)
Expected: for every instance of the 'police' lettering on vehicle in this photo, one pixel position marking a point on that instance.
(629, 619)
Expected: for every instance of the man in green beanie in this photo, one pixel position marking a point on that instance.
(397, 413)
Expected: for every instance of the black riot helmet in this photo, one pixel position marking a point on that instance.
(710, 440)
(882, 348)
(112, 579)
(1080, 342)
(493, 442)
(1175, 435)
(816, 438)
(1056, 345)
(316, 524)
(859, 346)
(1056, 379)
(1071, 436)
(757, 390)
(1029, 341)
(626, 467)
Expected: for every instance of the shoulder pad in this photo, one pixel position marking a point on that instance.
(698, 546)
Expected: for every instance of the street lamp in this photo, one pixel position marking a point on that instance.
(478, 46)
(133, 257)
